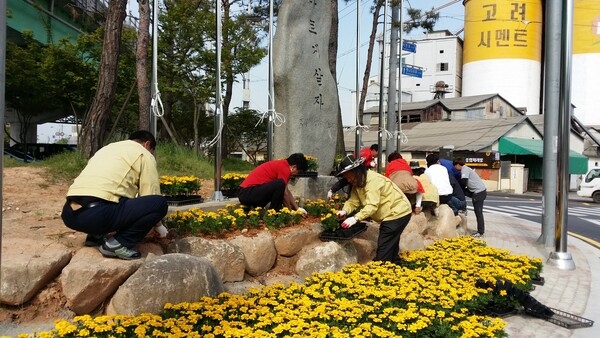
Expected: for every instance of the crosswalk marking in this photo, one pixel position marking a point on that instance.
(512, 210)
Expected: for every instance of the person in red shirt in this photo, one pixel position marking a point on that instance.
(400, 172)
(268, 182)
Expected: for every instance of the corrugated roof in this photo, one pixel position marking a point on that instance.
(458, 103)
(465, 135)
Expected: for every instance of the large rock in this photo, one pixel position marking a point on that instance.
(325, 257)
(289, 243)
(28, 267)
(90, 279)
(171, 278)
(305, 88)
(227, 259)
(259, 251)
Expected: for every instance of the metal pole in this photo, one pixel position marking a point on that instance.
(552, 63)
(218, 195)
(381, 91)
(561, 258)
(357, 98)
(2, 104)
(393, 81)
(401, 32)
(152, 118)
(271, 88)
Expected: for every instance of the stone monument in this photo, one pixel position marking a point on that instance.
(305, 89)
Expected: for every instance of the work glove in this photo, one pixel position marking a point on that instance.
(373, 164)
(341, 214)
(329, 194)
(350, 221)
(161, 230)
(302, 211)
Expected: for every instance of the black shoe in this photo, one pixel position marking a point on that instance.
(93, 240)
(119, 251)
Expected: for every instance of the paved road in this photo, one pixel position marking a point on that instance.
(583, 216)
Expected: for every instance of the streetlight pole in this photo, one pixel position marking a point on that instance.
(271, 105)
(381, 89)
(218, 195)
(357, 98)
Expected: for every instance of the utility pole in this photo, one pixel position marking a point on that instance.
(381, 88)
(390, 145)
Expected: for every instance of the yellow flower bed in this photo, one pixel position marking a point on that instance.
(231, 181)
(432, 294)
(197, 222)
(179, 185)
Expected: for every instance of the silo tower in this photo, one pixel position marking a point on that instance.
(586, 61)
(503, 50)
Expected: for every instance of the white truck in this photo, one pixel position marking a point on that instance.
(590, 186)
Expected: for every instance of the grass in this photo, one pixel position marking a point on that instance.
(172, 160)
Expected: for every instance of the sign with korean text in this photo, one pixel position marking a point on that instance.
(411, 70)
(409, 46)
(503, 29)
(487, 160)
(586, 27)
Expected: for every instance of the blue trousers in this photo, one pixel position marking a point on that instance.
(130, 219)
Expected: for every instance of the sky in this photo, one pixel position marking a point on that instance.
(451, 18)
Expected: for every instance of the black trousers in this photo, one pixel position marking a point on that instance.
(477, 200)
(130, 219)
(388, 243)
(261, 195)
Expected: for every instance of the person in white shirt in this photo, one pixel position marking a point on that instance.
(438, 175)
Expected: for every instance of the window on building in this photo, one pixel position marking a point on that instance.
(442, 67)
(418, 85)
(441, 51)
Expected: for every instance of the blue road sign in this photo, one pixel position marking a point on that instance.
(412, 71)
(409, 46)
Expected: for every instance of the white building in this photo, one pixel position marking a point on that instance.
(439, 58)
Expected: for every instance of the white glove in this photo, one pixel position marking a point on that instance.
(329, 194)
(350, 221)
(373, 164)
(161, 230)
(302, 211)
(341, 214)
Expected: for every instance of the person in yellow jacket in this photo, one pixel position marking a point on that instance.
(381, 200)
(431, 198)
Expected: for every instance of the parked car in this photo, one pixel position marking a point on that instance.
(590, 187)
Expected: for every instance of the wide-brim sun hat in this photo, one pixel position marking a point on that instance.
(348, 163)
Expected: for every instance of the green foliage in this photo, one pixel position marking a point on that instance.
(246, 131)
(176, 160)
(426, 20)
(64, 166)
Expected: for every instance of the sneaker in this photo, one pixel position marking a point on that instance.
(120, 252)
(463, 212)
(435, 211)
(477, 235)
(93, 240)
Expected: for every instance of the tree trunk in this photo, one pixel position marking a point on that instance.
(95, 122)
(141, 65)
(365, 83)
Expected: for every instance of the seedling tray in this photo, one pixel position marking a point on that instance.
(538, 280)
(564, 319)
(183, 200)
(342, 234)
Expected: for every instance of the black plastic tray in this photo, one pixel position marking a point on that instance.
(183, 200)
(564, 319)
(342, 234)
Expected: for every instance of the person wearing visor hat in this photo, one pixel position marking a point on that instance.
(381, 200)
